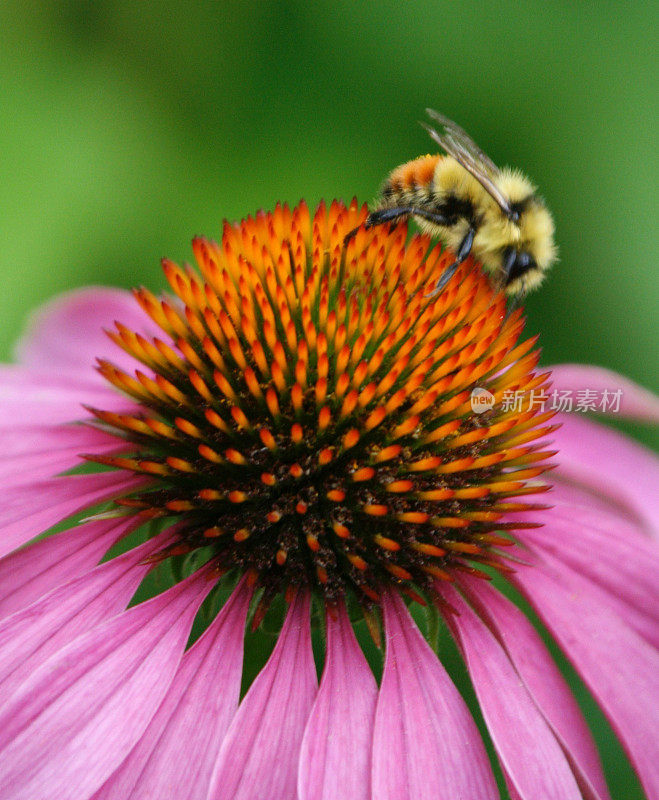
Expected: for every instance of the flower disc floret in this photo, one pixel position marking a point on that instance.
(307, 413)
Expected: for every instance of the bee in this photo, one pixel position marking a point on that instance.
(465, 200)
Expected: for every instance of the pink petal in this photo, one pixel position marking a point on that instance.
(29, 573)
(622, 563)
(41, 440)
(33, 508)
(620, 668)
(644, 622)
(30, 636)
(177, 752)
(527, 748)
(66, 335)
(31, 398)
(636, 402)
(40, 452)
(260, 754)
(78, 716)
(606, 463)
(514, 795)
(335, 762)
(544, 682)
(426, 745)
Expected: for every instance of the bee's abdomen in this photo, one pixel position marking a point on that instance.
(410, 178)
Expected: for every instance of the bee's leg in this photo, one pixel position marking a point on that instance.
(444, 278)
(386, 215)
(378, 217)
(383, 215)
(514, 303)
(462, 255)
(350, 235)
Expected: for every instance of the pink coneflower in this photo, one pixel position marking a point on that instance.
(297, 422)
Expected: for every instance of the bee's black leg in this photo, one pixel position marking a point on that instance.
(350, 235)
(466, 245)
(383, 215)
(462, 255)
(378, 218)
(386, 215)
(444, 278)
(513, 303)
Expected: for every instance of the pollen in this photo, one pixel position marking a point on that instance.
(306, 411)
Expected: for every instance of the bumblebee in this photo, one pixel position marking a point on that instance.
(465, 200)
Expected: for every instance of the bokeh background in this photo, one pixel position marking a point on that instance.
(127, 128)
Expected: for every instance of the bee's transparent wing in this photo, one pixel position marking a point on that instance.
(457, 143)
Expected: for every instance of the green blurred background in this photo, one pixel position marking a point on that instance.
(127, 128)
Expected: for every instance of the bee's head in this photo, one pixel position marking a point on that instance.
(529, 250)
(525, 259)
(515, 241)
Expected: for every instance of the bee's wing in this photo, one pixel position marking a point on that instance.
(463, 148)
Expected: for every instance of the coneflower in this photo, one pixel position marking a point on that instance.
(299, 419)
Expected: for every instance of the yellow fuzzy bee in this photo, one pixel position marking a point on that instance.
(465, 200)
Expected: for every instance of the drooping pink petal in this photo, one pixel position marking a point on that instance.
(335, 761)
(78, 716)
(635, 401)
(30, 398)
(66, 335)
(620, 668)
(426, 745)
(28, 573)
(260, 754)
(525, 744)
(177, 752)
(25, 440)
(39, 452)
(621, 562)
(544, 682)
(514, 794)
(603, 462)
(33, 508)
(31, 635)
